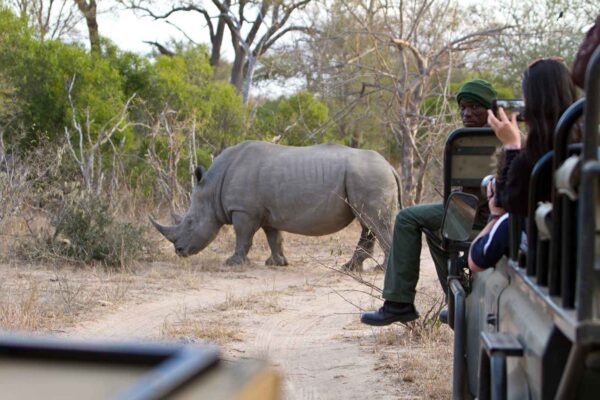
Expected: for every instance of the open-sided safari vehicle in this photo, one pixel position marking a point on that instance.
(530, 327)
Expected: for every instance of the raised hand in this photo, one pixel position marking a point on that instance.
(507, 130)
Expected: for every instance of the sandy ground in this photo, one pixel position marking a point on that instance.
(303, 318)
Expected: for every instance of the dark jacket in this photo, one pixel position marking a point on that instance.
(512, 186)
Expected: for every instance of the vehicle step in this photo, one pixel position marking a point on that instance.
(501, 342)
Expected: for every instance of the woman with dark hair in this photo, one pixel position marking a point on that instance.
(548, 91)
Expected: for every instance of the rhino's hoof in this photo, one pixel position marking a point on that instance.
(276, 260)
(236, 260)
(352, 266)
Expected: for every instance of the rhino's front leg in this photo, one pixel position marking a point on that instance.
(276, 244)
(245, 227)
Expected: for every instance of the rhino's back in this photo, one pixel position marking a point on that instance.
(296, 189)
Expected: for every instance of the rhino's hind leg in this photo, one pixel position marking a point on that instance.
(245, 227)
(363, 250)
(276, 244)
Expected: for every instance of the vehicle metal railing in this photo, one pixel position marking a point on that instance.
(587, 278)
(561, 268)
(563, 244)
(537, 248)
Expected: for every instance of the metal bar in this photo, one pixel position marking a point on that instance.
(458, 377)
(498, 373)
(568, 251)
(587, 231)
(117, 353)
(171, 374)
(588, 190)
(514, 226)
(563, 131)
(564, 229)
(562, 134)
(536, 186)
(451, 303)
(541, 264)
(573, 372)
(540, 171)
(483, 391)
(592, 107)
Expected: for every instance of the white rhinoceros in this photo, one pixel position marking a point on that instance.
(314, 190)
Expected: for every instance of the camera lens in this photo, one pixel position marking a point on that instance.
(484, 184)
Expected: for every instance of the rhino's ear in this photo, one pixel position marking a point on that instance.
(199, 173)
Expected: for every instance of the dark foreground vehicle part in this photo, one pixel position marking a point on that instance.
(42, 368)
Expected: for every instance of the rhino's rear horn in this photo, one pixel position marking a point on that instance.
(177, 218)
(169, 232)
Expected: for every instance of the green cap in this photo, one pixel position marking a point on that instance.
(477, 90)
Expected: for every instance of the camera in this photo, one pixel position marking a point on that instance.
(484, 184)
(510, 106)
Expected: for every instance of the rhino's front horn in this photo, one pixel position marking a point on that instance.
(170, 232)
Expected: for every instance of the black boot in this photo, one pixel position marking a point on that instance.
(389, 313)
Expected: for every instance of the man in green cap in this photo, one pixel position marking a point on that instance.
(402, 272)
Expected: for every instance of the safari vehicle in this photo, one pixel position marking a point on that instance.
(530, 327)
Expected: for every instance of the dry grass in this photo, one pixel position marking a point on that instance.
(219, 323)
(50, 296)
(416, 353)
(265, 302)
(24, 311)
(193, 328)
(38, 298)
(412, 355)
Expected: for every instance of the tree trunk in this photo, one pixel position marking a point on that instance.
(94, 35)
(89, 11)
(248, 75)
(237, 69)
(356, 139)
(407, 170)
(215, 53)
(420, 179)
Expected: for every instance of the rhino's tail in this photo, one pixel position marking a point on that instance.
(397, 177)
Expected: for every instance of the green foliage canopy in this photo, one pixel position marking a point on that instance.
(300, 120)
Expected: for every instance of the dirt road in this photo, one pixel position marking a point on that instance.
(303, 318)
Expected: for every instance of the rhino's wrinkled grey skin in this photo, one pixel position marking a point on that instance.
(315, 190)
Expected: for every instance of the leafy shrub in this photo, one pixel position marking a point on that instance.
(85, 231)
(300, 120)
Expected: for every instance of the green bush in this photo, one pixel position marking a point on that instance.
(91, 233)
(300, 120)
(85, 231)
